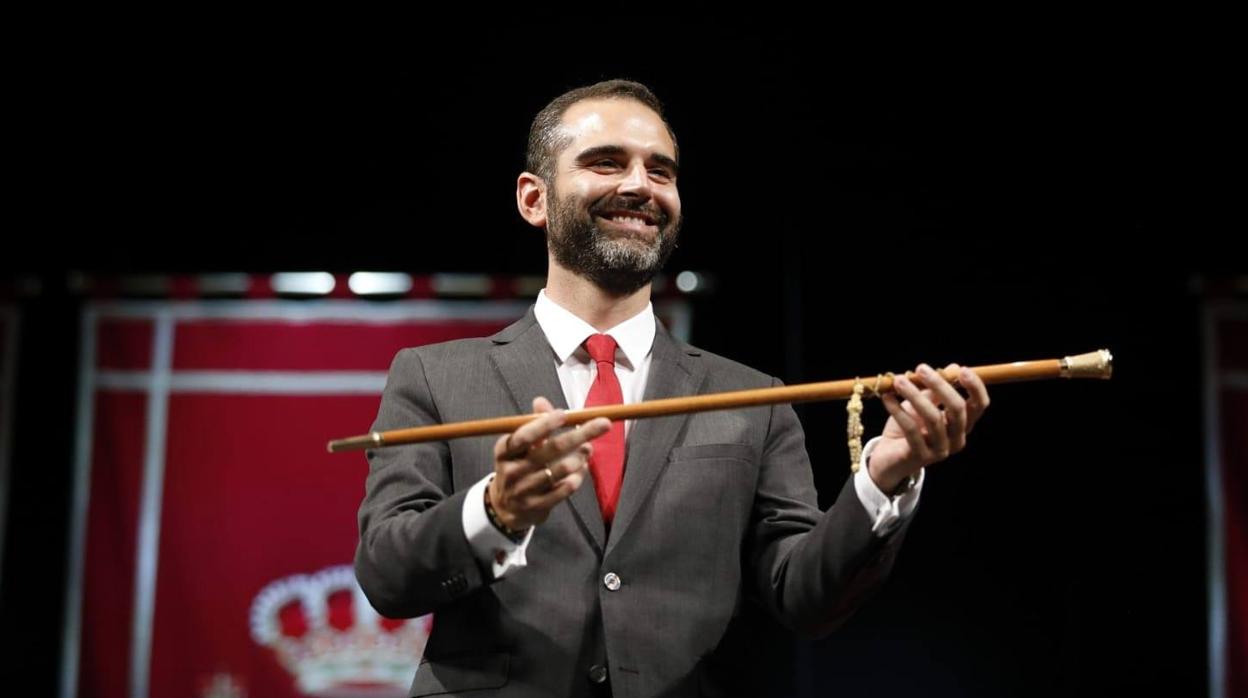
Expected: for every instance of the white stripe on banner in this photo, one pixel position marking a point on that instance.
(252, 382)
(72, 641)
(320, 311)
(149, 507)
(362, 312)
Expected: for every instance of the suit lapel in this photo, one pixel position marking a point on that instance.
(673, 373)
(526, 362)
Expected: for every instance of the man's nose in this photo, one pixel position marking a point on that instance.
(636, 181)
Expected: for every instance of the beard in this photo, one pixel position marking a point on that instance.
(617, 263)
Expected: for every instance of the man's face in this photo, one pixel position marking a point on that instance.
(614, 211)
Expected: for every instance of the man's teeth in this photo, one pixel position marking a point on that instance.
(629, 220)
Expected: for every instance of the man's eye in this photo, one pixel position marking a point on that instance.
(664, 174)
(605, 163)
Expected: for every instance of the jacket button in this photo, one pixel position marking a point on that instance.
(597, 674)
(611, 581)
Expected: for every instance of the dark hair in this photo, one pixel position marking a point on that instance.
(545, 141)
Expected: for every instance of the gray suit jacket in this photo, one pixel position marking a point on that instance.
(716, 508)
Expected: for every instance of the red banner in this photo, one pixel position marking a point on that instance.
(214, 533)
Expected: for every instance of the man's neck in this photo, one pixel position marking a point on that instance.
(584, 299)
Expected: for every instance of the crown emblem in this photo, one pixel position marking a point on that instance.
(325, 633)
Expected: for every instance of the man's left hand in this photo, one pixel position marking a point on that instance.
(927, 426)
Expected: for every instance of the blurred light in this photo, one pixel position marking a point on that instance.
(461, 284)
(688, 281)
(145, 285)
(530, 285)
(317, 283)
(375, 283)
(223, 284)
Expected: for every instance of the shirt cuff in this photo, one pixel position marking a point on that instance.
(488, 544)
(887, 513)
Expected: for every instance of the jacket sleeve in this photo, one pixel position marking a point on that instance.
(812, 569)
(413, 556)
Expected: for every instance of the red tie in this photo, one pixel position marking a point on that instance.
(606, 465)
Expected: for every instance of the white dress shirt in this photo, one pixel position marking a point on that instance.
(635, 337)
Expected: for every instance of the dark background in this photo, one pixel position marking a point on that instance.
(861, 206)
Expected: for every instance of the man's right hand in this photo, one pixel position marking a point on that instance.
(535, 470)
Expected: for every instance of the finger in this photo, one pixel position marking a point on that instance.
(976, 397)
(933, 418)
(908, 423)
(567, 441)
(955, 406)
(563, 490)
(926, 410)
(507, 469)
(531, 433)
(942, 391)
(537, 481)
(501, 448)
(911, 411)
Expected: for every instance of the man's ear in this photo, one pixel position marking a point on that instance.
(531, 198)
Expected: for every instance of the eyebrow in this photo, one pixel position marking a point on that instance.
(615, 150)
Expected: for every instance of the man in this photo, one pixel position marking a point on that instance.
(670, 525)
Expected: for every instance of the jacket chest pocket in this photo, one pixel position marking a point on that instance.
(709, 486)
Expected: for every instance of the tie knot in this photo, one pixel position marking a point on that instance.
(601, 348)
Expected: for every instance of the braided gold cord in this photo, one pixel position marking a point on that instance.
(854, 427)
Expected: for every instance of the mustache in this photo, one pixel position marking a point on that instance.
(632, 206)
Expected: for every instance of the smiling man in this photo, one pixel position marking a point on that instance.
(603, 185)
(616, 558)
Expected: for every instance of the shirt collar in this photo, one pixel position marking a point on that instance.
(566, 332)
